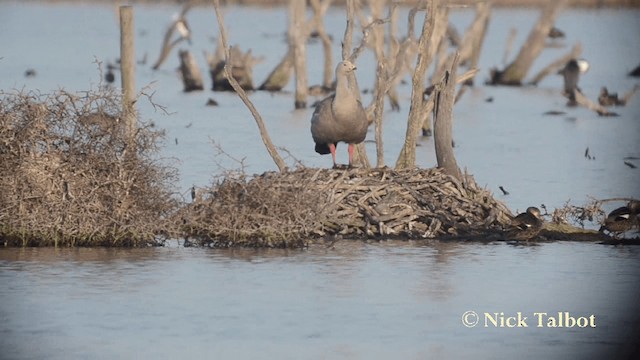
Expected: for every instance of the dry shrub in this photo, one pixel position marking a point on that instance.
(289, 209)
(69, 178)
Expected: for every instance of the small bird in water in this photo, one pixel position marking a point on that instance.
(340, 117)
(609, 99)
(622, 219)
(556, 33)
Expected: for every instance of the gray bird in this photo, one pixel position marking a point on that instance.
(339, 118)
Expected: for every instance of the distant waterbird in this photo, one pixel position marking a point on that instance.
(529, 219)
(622, 219)
(571, 73)
(340, 117)
(183, 29)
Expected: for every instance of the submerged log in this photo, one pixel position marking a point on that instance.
(191, 75)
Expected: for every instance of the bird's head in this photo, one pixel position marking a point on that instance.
(345, 67)
(534, 211)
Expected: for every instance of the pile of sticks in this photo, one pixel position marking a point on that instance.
(290, 209)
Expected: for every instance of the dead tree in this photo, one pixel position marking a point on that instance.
(471, 44)
(191, 75)
(437, 43)
(241, 65)
(319, 9)
(556, 65)
(297, 42)
(280, 75)
(444, 96)
(167, 43)
(515, 72)
(264, 134)
(407, 157)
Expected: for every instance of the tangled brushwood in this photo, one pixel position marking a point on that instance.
(70, 178)
(284, 209)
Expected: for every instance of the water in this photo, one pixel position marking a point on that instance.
(375, 301)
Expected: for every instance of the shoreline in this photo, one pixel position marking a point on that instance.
(451, 3)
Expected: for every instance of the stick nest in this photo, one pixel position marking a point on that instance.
(291, 208)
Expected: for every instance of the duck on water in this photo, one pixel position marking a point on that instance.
(339, 118)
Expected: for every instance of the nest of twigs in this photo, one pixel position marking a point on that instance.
(70, 176)
(289, 209)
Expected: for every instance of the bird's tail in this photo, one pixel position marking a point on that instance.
(322, 149)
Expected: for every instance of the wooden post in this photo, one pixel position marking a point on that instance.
(128, 66)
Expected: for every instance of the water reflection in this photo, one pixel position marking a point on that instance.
(357, 299)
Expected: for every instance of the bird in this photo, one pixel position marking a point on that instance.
(526, 225)
(609, 99)
(340, 117)
(183, 28)
(556, 33)
(571, 73)
(529, 219)
(622, 219)
(109, 77)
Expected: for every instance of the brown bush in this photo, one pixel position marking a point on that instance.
(70, 179)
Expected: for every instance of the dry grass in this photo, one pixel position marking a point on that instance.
(67, 179)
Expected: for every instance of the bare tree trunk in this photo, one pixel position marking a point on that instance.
(437, 40)
(191, 75)
(319, 9)
(128, 67)
(444, 95)
(297, 40)
(264, 134)
(407, 157)
(474, 36)
(167, 44)
(515, 72)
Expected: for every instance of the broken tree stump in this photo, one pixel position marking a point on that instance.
(191, 75)
(241, 69)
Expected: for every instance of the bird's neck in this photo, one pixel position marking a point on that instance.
(344, 98)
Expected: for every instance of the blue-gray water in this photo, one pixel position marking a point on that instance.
(390, 300)
(357, 301)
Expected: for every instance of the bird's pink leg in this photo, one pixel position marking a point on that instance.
(351, 148)
(332, 148)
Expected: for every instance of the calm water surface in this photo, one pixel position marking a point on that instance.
(357, 301)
